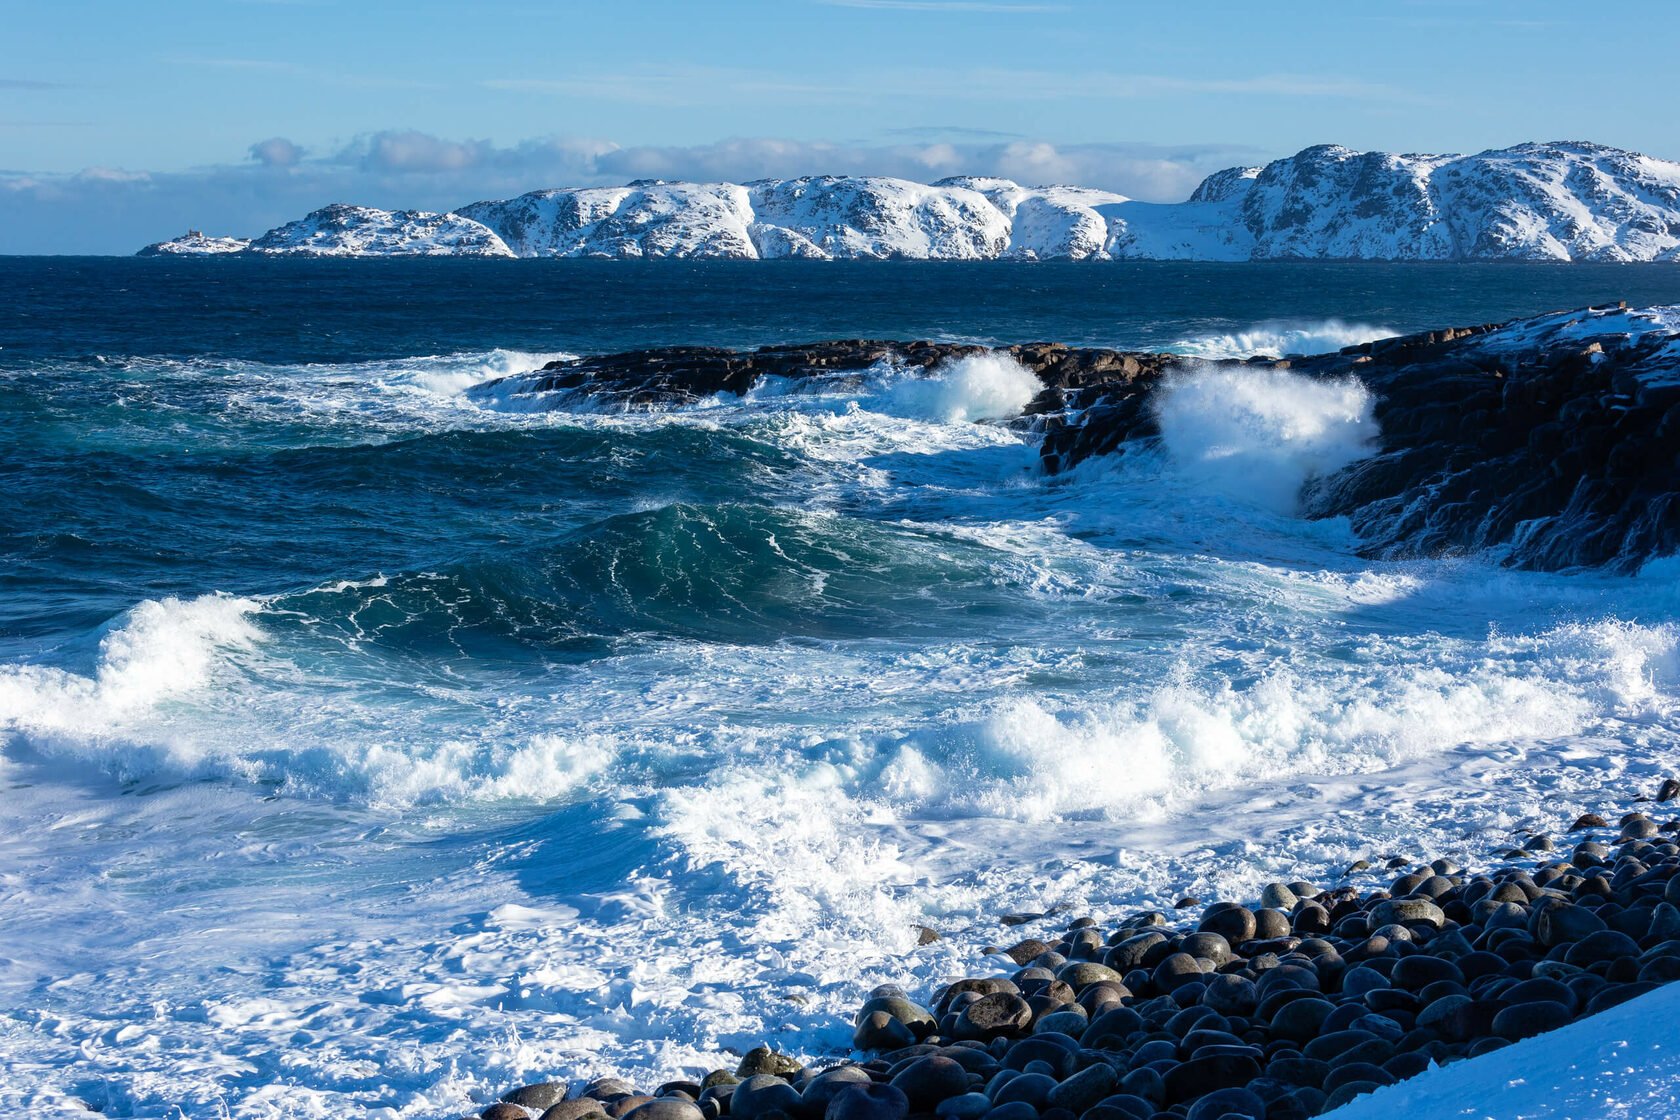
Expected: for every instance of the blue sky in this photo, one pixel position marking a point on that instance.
(233, 115)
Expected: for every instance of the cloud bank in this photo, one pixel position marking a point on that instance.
(109, 210)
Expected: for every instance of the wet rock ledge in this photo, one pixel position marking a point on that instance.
(679, 375)
(1280, 1009)
(1549, 443)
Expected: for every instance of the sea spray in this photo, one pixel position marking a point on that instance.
(161, 649)
(1261, 434)
(978, 388)
(1279, 339)
(586, 743)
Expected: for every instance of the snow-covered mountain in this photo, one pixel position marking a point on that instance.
(1558, 201)
(363, 231)
(1562, 201)
(196, 244)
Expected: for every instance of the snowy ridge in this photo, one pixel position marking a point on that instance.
(1559, 201)
(195, 244)
(363, 231)
(1556, 201)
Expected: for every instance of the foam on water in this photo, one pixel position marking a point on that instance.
(1262, 434)
(162, 649)
(626, 786)
(1280, 339)
(982, 387)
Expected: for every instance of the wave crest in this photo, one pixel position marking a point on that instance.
(1262, 434)
(1280, 340)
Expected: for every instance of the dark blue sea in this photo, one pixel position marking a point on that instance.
(371, 742)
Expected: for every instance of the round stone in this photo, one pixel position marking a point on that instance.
(1223, 1104)
(1084, 1089)
(1287, 976)
(867, 1102)
(1419, 970)
(1000, 1014)
(760, 1094)
(1129, 954)
(880, 1031)
(969, 1106)
(574, 1109)
(1023, 951)
(1402, 911)
(1030, 1088)
(913, 1015)
(1554, 922)
(1602, 945)
(827, 1085)
(1435, 886)
(1231, 994)
(927, 1081)
(1071, 1023)
(1057, 1054)
(1176, 971)
(670, 1108)
(762, 1059)
(1081, 974)
(1358, 981)
(1270, 924)
(1232, 922)
(1310, 918)
(544, 1095)
(1209, 946)
(1524, 1020)
(1300, 1020)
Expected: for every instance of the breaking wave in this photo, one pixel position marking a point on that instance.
(1262, 434)
(1279, 340)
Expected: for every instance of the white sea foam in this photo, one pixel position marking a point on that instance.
(976, 388)
(163, 648)
(1124, 684)
(1261, 434)
(1279, 339)
(450, 375)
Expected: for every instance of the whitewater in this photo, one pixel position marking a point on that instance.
(372, 742)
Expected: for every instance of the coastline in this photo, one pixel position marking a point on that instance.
(1290, 1005)
(1024, 741)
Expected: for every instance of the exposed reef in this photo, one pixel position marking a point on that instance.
(1549, 443)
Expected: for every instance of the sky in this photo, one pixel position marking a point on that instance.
(128, 121)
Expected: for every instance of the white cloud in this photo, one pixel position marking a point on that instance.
(105, 210)
(276, 151)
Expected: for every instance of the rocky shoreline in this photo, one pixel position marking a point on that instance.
(1286, 1007)
(1546, 442)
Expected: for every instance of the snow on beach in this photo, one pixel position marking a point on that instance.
(1622, 1064)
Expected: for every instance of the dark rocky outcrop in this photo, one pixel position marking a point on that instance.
(1555, 452)
(678, 375)
(1551, 443)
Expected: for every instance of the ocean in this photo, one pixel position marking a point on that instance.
(371, 743)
